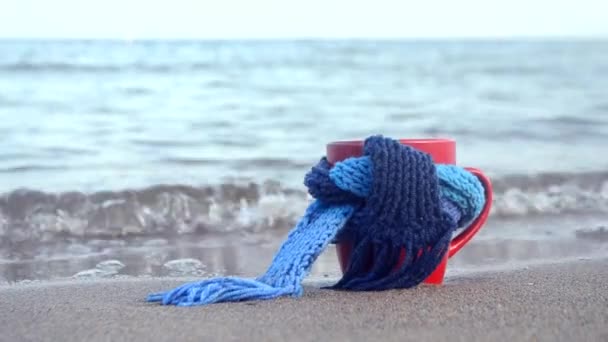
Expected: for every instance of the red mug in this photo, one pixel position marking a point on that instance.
(442, 151)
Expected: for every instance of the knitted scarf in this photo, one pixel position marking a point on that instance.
(391, 200)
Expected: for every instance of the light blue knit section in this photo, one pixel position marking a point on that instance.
(290, 266)
(354, 175)
(304, 244)
(463, 188)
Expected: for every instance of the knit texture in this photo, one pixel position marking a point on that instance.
(390, 201)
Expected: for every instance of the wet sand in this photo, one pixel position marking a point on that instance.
(560, 302)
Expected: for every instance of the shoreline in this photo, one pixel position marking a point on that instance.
(552, 302)
(500, 245)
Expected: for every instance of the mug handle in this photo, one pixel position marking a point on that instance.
(464, 237)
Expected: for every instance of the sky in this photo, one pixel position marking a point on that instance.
(228, 19)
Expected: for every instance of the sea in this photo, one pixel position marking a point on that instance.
(187, 158)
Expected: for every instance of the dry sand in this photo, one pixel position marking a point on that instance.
(563, 302)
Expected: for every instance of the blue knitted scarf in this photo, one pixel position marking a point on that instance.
(391, 200)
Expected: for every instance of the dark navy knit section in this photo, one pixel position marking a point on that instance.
(402, 213)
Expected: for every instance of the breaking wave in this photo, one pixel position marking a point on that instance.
(173, 210)
(551, 193)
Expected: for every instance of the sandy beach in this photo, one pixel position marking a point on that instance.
(556, 302)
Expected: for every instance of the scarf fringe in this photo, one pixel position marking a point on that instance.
(290, 266)
(373, 265)
(227, 289)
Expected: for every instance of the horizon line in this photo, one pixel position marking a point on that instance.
(316, 38)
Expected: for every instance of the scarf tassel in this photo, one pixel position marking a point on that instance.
(377, 266)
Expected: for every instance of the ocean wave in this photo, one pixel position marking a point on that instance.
(552, 129)
(30, 167)
(551, 193)
(71, 67)
(565, 121)
(597, 234)
(174, 210)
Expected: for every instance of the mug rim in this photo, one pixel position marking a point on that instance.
(418, 141)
